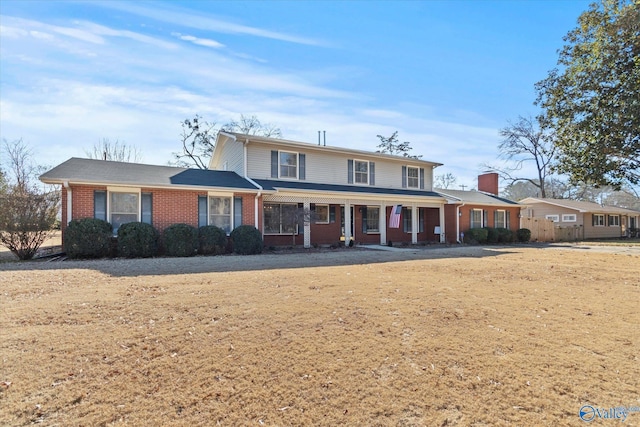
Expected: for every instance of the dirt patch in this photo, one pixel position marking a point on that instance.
(464, 336)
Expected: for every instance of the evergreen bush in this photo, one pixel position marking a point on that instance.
(180, 240)
(523, 235)
(476, 235)
(137, 240)
(247, 240)
(212, 240)
(87, 238)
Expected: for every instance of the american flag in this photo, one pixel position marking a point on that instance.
(394, 218)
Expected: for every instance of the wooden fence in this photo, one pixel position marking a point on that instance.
(545, 230)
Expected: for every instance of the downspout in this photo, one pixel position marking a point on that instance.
(458, 222)
(69, 201)
(257, 198)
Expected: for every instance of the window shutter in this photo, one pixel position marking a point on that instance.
(422, 178)
(100, 205)
(372, 173)
(404, 177)
(301, 171)
(332, 214)
(421, 220)
(406, 219)
(495, 219)
(274, 164)
(485, 218)
(507, 220)
(237, 212)
(202, 211)
(146, 201)
(350, 171)
(364, 219)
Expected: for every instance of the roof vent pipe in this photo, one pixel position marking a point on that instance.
(324, 133)
(318, 137)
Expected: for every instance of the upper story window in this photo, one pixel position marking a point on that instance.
(288, 164)
(413, 177)
(361, 172)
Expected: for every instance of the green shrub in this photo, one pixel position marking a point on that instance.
(180, 240)
(137, 240)
(493, 235)
(87, 238)
(523, 235)
(212, 240)
(505, 235)
(476, 235)
(246, 240)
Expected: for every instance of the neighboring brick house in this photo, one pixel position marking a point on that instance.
(262, 181)
(594, 221)
(478, 209)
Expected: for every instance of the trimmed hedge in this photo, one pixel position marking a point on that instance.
(476, 235)
(212, 240)
(523, 235)
(247, 240)
(493, 235)
(180, 240)
(88, 238)
(137, 240)
(505, 235)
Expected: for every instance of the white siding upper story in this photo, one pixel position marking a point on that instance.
(322, 164)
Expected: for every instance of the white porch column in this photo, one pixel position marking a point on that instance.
(442, 230)
(383, 224)
(347, 223)
(414, 224)
(307, 224)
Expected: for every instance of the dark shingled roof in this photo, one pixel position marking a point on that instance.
(269, 185)
(89, 171)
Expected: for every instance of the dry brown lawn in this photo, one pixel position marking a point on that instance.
(519, 336)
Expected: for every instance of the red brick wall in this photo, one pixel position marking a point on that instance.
(465, 219)
(450, 217)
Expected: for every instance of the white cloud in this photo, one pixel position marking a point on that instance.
(198, 41)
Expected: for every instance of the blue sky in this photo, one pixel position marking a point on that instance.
(446, 74)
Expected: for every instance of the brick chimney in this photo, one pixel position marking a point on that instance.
(488, 182)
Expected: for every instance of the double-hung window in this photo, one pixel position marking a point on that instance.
(361, 172)
(597, 220)
(119, 205)
(500, 219)
(123, 208)
(321, 214)
(413, 177)
(476, 218)
(220, 211)
(288, 162)
(614, 220)
(372, 219)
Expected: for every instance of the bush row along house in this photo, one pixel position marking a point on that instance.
(293, 192)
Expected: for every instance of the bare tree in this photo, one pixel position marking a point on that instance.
(526, 141)
(28, 210)
(115, 151)
(252, 126)
(392, 145)
(444, 180)
(198, 139)
(294, 217)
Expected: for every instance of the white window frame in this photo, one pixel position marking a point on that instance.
(554, 218)
(280, 164)
(322, 220)
(357, 173)
(126, 190)
(598, 223)
(377, 229)
(471, 212)
(504, 218)
(229, 196)
(417, 177)
(569, 218)
(617, 221)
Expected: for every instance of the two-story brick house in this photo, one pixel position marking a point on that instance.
(345, 194)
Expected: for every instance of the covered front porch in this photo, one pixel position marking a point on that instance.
(308, 219)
